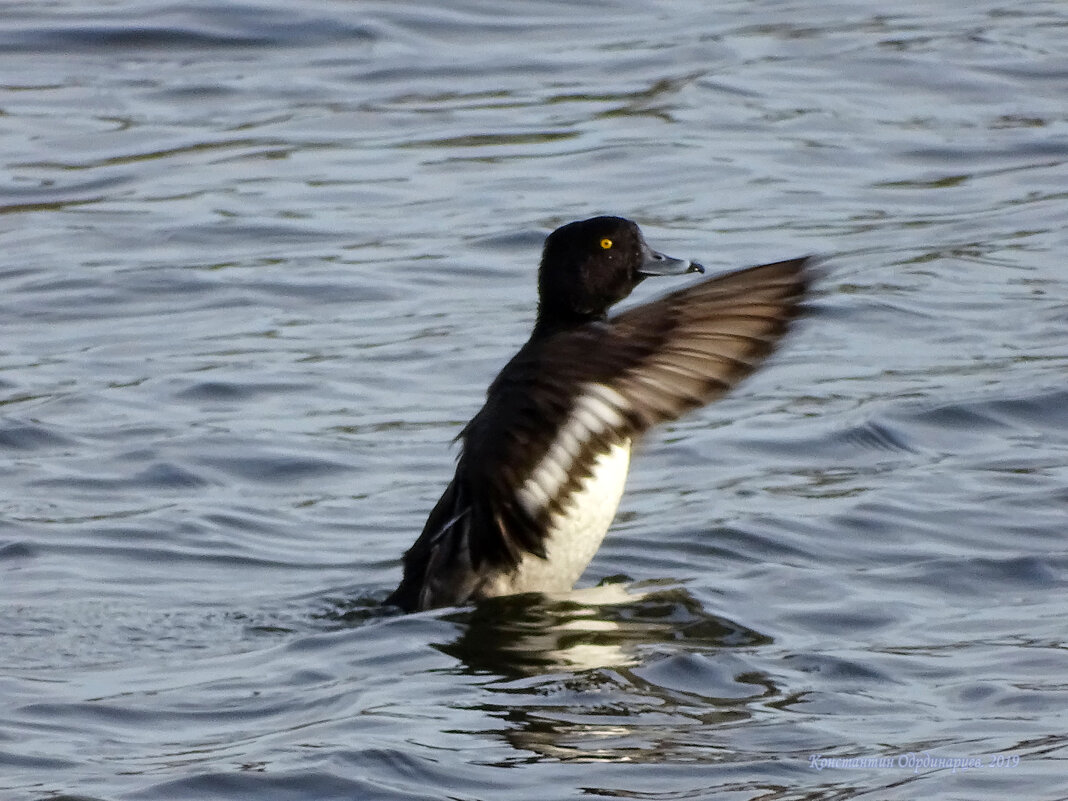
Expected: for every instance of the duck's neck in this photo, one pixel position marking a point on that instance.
(555, 321)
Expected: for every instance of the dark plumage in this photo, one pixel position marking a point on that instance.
(582, 388)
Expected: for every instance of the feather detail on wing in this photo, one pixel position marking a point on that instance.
(702, 340)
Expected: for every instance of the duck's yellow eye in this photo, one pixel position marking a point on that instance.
(606, 243)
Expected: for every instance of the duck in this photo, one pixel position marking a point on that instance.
(543, 464)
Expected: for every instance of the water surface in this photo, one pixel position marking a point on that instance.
(258, 263)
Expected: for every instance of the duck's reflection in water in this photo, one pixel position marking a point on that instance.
(613, 625)
(613, 673)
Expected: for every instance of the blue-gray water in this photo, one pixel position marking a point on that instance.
(258, 262)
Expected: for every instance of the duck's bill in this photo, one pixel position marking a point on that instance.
(654, 263)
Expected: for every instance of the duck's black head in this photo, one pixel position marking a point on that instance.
(589, 265)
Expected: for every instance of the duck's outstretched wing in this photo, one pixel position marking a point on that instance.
(700, 341)
(564, 400)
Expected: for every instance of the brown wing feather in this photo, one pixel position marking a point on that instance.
(704, 339)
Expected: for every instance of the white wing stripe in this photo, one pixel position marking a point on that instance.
(597, 409)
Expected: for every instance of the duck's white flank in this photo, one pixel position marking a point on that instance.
(574, 536)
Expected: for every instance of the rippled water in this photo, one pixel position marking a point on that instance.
(258, 262)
